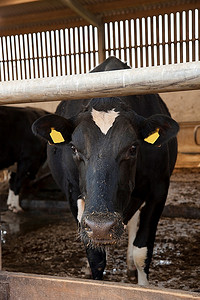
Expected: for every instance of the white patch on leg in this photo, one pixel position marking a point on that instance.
(81, 207)
(104, 120)
(139, 257)
(132, 226)
(13, 202)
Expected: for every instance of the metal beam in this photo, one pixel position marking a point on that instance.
(81, 11)
(179, 77)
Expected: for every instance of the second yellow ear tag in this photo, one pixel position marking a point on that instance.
(56, 136)
(152, 138)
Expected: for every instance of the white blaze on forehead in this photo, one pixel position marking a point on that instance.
(104, 120)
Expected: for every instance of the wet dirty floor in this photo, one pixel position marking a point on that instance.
(49, 244)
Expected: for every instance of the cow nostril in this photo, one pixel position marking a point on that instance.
(99, 229)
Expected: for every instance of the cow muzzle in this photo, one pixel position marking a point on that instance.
(102, 228)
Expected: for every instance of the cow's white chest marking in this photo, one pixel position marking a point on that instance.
(104, 120)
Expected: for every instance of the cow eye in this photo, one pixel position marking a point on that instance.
(132, 150)
(75, 151)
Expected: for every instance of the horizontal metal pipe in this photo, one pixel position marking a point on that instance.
(168, 78)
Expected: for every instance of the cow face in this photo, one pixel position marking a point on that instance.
(105, 140)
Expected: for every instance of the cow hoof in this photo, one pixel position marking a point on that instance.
(15, 209)
(132, 274)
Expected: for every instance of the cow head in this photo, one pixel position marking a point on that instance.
(105, 139)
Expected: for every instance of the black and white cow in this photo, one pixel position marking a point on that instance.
(113, 158)
(19, 145)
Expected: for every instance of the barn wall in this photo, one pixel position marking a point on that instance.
(184, 106)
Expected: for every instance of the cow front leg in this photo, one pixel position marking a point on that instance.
(145, 237)
(132, 227)
(13, 202)
(97, 262)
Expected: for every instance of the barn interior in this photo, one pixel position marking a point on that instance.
(44, 39)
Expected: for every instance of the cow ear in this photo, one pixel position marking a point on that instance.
(158, 129)
(54, 129)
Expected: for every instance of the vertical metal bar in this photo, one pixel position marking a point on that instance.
(58, 54)
(146, 41)
(13, 56)
(84, 50)
(2, 62)
(68, 57)
(181, 37)
(79, 50)
(96, 46)
(184, 36)
(118, 39)
(122, 38)
(27, 59)
(30, 55)
(18, 57)
(4, 48)
(169, 40)
(111, 37)
(39, 50)
(155, 39)
(55, 52)
(198, 32)
(178, 35)
(135, 44)
(163, 39)
(35, 55)
(193, 35)
(175, 38)
(62, 57)
(9, 58)
(166, 40)
(190, 35)
(23, 70)
(158, 40)
(65, 51)
(125, 40)
(108, 39)
(197, 35)
(114, 40)
(128, 43)
(74, 51)
(26, 72)
(70, 52)
(132, 43)
(187, 36)
(80, 29)
(90, 42)
(130, 46)
(51, 62)
(47, 52)
(143, 42)
(93, 40)
(60, 51)
(44, 54)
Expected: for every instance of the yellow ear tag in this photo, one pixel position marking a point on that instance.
(152, 138)
(56, 136)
